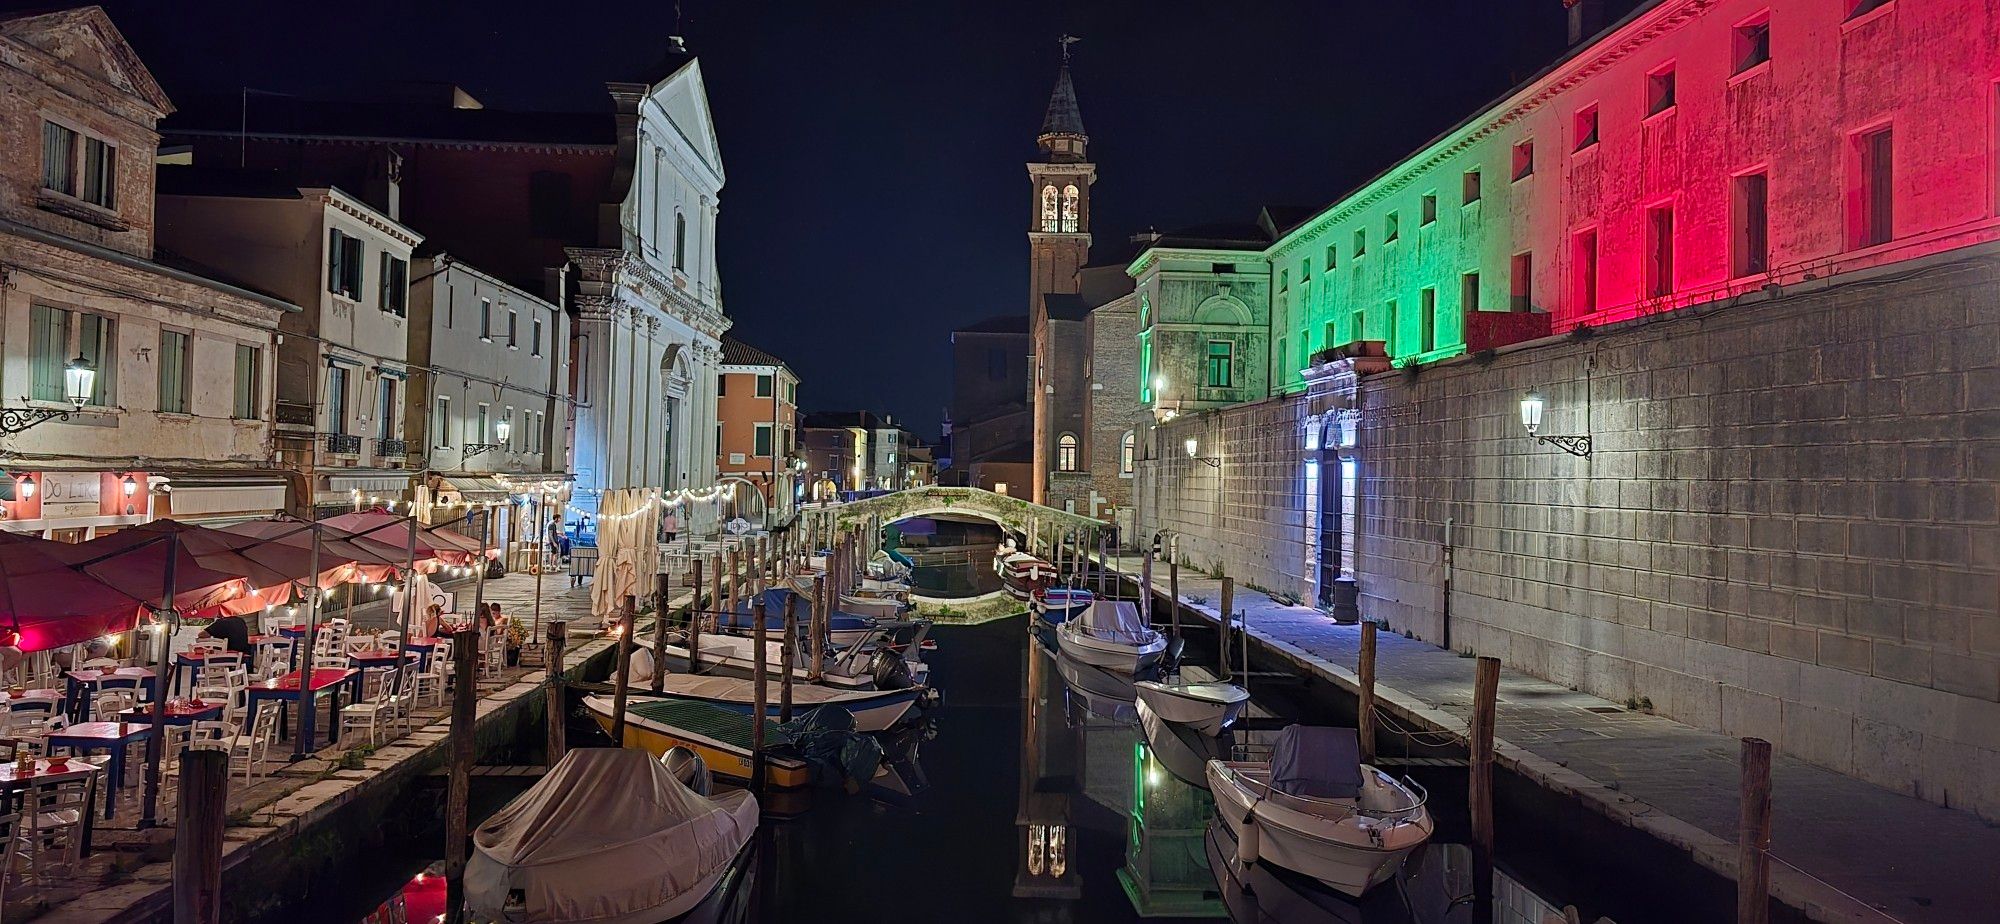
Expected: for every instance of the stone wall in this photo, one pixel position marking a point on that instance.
(1243, 516)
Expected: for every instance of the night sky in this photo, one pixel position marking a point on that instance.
(876, 194)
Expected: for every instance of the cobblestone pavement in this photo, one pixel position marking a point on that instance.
(1843, 846)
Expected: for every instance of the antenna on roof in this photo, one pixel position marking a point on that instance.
(1067, 40)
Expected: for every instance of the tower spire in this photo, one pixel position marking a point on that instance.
(1062, 136)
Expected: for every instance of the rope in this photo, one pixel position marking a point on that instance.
(1428, 738)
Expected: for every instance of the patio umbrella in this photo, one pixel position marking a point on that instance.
(389, 529)
(342, 557)
(135, 561)
(52, 604)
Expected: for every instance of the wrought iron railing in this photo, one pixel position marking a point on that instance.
(343, 442)
(391, 447)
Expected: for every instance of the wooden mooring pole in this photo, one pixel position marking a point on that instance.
(1228, 602)
(820, 608)
(558, 744)
(1146, 587)
(464, 749)
(789, 658)
(1174, 590)
(198, 828)
(1485, 695)
(622, 684)
(1364, 724)
(663, 590)
(694, 626)
(759, 684)
(1753, 835)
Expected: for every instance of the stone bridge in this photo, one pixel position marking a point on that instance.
(1041, 526)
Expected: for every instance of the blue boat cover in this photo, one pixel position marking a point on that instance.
(775, 601)
(1317, 762)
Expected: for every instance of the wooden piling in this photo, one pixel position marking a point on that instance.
(759, 684)
(1753, 834)
(622, 684)
(198, 830)
(1365, 718)
(815, 665)
(458, 787)
(558, 744)
(790, 657)
(695, 609)
(1174, 590)
(1485, 696)
(1228, 601)
(1146, 586)
(663, 588)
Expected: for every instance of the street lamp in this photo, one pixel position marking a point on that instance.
(130, 486)
(502, 429)
(79, 376)
(1531, 420)
(1194, 452)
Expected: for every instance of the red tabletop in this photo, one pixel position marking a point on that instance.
(375, 654)
(45, 771)
(424, 641)
(103, 731)
(203, 654)
(93, 676)
(176, 708)
(322, 677)
(37, 694)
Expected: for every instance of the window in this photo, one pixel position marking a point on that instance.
(1427, 301)
(1874, 220)
(1750, 251)
(1071, 202)
(1859, 8)
(680, 240)
(1468, 292)
(1660, 251)
(1584, 128)
(792, 398)
(248, 382)
(395, 286)
(1660, 90)
(1468, 187)
(1066, 452)
(1049, 210)
(1583, 263)
(763, 386)
(1127, 446)
(58, 158)
(1357, 325)
(343, 264)
(1360, 241)
(58, 335)
(1000, 488)
(1391, 228)
(385, 410)
(1305, 351)
(480, 422)
(100, 172)
(1284, 280)
(440, 420)
(541, 431)
(1219, 365)
(336, 399)
(721, 385)
(174, 372)
(513, 440)
(1752, 42)
(1429, 211)
(1278, 356)
(486, 319)
(1332, 258)
(1521, 283)
(79, 165)
(513, 329)
(535, 336)
(1389, 335)
(1524, 160)
(763, 440)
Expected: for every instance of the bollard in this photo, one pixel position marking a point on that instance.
(198, 829)
(558, 637)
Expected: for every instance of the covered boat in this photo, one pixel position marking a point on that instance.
(608, 836)
(1057, 605)
(1205, 707)
(1317, 810)
(1020, 572)
(1110, 634)
(873, 710)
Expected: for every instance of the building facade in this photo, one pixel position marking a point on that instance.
(988, 438)
(177, 419)
(1767, 496)
(757, 428)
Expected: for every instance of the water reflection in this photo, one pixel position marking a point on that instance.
(949, 558)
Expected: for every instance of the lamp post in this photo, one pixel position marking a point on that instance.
(1531, 419)
(79, 379)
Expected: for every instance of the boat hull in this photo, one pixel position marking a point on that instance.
(1056, 608)
(1112, 656)
(1196, 706)
(1308, 844)
(723, 759)
(878, 712)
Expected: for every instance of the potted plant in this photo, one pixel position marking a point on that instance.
(517, 635)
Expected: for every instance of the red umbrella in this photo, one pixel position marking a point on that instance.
(52, 604)
(342, 556)
(389, 529)
(135, 561)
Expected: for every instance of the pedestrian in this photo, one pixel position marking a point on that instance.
(670, 525)
(232, 630)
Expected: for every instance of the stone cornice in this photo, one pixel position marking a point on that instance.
(353, 208)
(1151, 255)
(603, 271)
(1516, 106)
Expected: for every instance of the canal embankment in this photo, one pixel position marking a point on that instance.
(1675, 784)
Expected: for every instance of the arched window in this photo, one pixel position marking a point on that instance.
(1066, 452)
(1069, 222)
(680, 240)
(1049, 208)
(1127, 446)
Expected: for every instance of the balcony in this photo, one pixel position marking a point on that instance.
(294, 414)
(392, 448)
(343, 443)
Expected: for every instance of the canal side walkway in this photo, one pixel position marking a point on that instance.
(1845, 850)
(128, 877)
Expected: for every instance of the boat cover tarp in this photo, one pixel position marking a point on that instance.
(742, 691)
(1115, 619)
(1317, 762)
(606, 836)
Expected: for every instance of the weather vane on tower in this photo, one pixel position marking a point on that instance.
(1067, 40)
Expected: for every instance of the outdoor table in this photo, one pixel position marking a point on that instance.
(196, 658)
(423, 645)
(81, 684)
(292, 634)
(179, 712)
(13, 783)
(111, 737)
(285, 689)
(50, 695)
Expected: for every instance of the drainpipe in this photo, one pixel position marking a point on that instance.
(1446, 557)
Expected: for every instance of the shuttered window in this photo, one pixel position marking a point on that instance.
(174, 372)
(48, 345)
(58, 158)
(249, 359)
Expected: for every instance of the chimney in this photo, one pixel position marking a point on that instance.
(1586, 18)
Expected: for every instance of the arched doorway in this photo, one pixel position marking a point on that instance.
(675, 383)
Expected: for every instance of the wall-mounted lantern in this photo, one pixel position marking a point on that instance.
(1531, 418)
(502, 428)
(79, 377)
(1194, 452)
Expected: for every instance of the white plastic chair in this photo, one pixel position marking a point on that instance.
(106, 705)
(373, 714)
(52, 829)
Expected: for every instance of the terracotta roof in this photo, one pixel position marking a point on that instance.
(737, 353)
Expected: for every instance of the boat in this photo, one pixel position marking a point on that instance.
(1110, 635)
(720, 737)
(842, 629)
(1314, 808)
(855, 605)
(889, 656)
(1205, 707)
(1020, 572)
(1184, 752)
(1057, 605)
(1435, 887)
(873, 710)
(612, 837)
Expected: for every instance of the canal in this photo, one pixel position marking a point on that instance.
(1032, 795)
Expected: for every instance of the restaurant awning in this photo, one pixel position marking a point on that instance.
(210, 497)
(476, 489)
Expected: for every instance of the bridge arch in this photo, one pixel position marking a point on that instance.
(1009, 513)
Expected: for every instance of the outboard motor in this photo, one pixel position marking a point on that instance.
(1170, 660)
(687, 767)
(889, 671)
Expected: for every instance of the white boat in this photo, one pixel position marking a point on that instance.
(859, 666)
(872, 607)
(1179, 748)
(873, 710)
(609, 836)
(1020, 573)
(1317, 810)
(1111, 635)
(1205, 707)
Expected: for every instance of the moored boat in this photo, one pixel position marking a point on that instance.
(873, 710)
(1317, 810)
(1021, 572)
(1057, 605)
(1111, 635)
(1205, 707)
(720, 737)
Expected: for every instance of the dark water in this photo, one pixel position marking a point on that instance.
(1024, 744)
(953, 558)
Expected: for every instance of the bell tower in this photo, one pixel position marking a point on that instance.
(1058, 246)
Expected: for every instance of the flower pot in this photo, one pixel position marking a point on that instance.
(513, 657)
